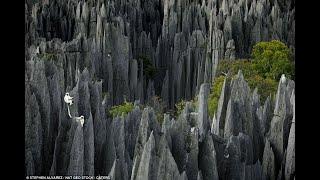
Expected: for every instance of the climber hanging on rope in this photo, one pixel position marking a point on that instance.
(68, 99)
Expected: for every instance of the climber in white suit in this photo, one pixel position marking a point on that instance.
(80, 119)
(68, 99)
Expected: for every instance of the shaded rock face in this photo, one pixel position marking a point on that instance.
(138, 146)
(105, 53)
(182, 41)
(76, 162)
(282, 121)
(203, 117)
(135, 146)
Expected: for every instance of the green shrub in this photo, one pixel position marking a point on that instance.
(266, 86)
(47, 56)
(233, 67)
(215, 95)
(179, 106)
(158, 108)
(125, 108)
(272, 59)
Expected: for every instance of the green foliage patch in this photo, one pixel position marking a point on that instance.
(215, 95)
(272, 59)
(47, 56)
(124, 108)
(179, 106)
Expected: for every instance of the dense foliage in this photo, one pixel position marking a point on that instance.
(272, 59)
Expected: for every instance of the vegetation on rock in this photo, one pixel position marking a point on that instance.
(272, 59)
(215, 95)
(266, 85)
(124, 108)
(47, 56)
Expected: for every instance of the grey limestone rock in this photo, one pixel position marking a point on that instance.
(247, 148)
(146, 168)
(253, 171)
(76, 163)
(88, 133)
(203, 117)
(222, 107)
(208, 160)
(39, 87)
(280, 119)
(109, 151)
(148, 124)
(133, 81)
(230, 50)
(115, 170)
(119, 142)
(99, 128)
(29, 164)
(165, 90)
(167, 168)
(234, 168)
(290, 156)
(268, 163)
(166, 130)
(33, 134)
(132, 125)
(240, 93)
(257, 138)
(199, 177)
(84, 107)
(179, 134)
(94, 53)
(193, 153)
(183, 176)
(233, 123)
(266, 116)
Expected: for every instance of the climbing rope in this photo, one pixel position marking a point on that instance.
(69, 100)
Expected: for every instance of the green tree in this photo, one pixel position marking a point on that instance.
(271, 59)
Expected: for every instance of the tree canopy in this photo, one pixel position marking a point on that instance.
(272, 59)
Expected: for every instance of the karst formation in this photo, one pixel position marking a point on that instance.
(154, 53)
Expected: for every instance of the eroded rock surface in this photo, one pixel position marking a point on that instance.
(106, 53)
